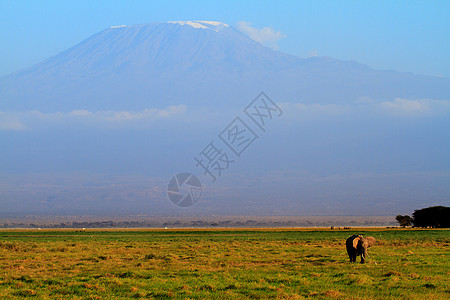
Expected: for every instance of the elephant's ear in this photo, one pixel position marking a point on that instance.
(356, 241)
(370, 241)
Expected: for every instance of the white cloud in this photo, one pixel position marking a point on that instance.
(172, 110)
(365, 106)
(415, 107)
(29, 119)
(80, 113)
(265, 35)
(146, 114)
(301, 110)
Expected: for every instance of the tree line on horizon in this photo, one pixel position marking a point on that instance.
(435, 216)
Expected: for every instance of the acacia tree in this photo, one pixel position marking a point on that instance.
(404, 221)
(436, 216)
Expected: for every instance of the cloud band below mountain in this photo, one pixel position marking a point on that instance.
(21, 120)
(398, 107)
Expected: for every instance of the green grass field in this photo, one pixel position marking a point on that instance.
(222, 264)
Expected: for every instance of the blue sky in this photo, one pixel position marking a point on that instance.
(411, 36)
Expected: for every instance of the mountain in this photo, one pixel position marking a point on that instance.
(351, 140)
(198, 64)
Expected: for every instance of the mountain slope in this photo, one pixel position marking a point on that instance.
(198, 64)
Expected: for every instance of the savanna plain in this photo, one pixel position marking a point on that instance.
(222, 264)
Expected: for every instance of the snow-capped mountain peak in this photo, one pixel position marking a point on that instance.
(132, 67)
(212, 25)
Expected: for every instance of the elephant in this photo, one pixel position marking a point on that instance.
(357, 245)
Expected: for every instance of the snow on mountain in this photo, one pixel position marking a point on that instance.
(211, 25)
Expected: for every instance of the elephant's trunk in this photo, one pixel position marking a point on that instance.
(364, 255)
